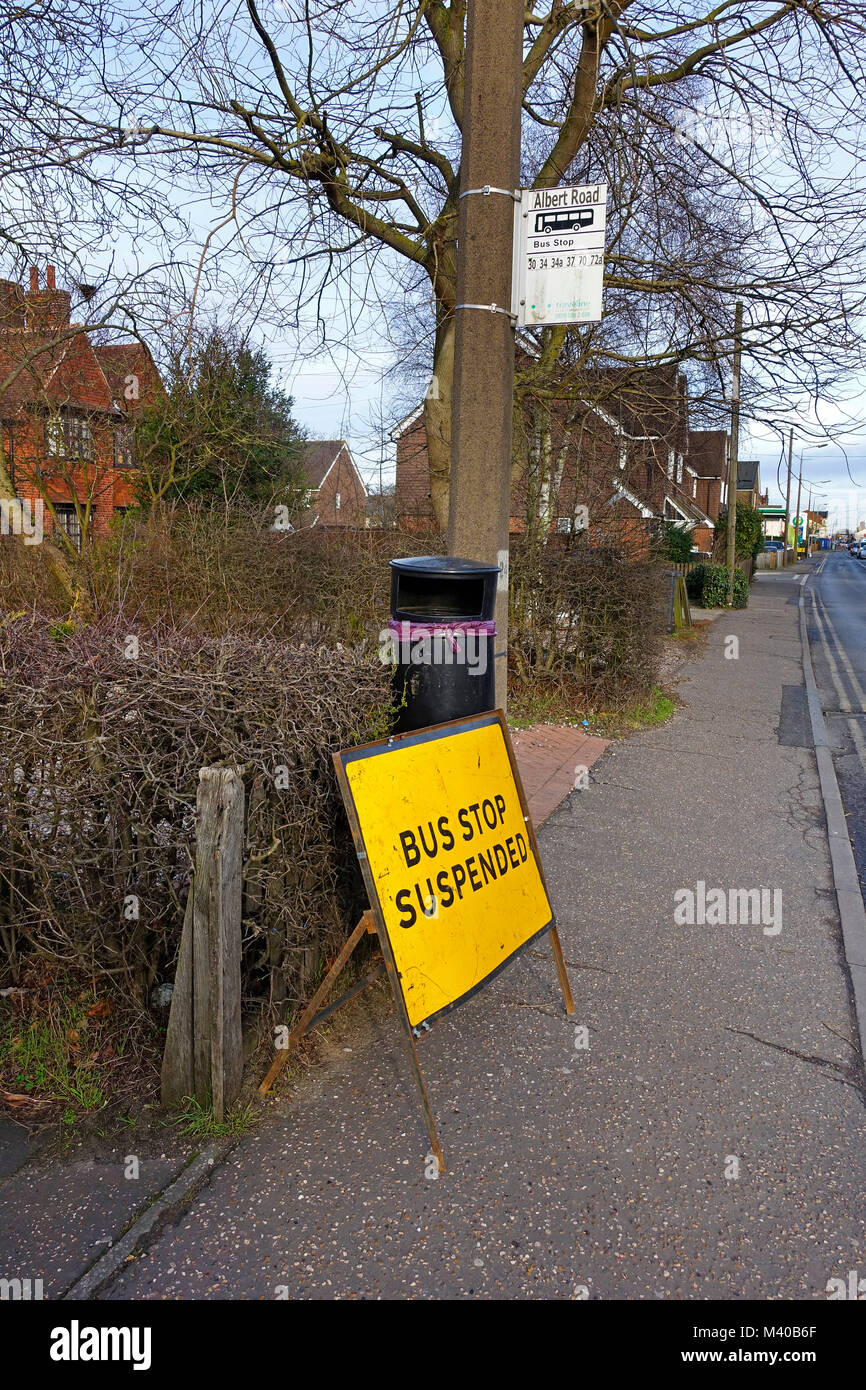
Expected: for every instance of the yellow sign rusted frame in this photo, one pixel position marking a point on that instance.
(384, 748)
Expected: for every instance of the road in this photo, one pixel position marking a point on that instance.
(837, 637)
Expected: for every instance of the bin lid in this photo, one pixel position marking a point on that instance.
(442, 565)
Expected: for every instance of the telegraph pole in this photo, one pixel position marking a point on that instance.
(809, 516)
(788, 497)
(480, 492)
(733, 453)
(797, 517)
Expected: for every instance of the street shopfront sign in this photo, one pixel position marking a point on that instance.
(558, 265)
(450, 861)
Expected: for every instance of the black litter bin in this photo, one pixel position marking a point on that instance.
(441, 638)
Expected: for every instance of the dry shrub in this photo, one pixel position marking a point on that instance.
(100, 752)
(587, 619)
(228, 571)
(27, 582)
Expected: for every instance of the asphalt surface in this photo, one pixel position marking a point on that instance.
(836, 614)
(608, 1171)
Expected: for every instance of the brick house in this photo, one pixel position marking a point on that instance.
(620, 451)
(337, 495)
(749, 484)
(68, 409)
(707, 469)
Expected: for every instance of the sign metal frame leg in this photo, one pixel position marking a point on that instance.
(366, 924)
(429, 1119)
(410, 1033)
(559, 958)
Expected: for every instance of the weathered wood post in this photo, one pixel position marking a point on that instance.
(203, 1052)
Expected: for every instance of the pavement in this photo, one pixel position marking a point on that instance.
(695, 1131)
(551, 758)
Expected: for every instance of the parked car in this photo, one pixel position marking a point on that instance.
(773, 545)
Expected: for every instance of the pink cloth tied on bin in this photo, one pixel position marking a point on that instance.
(449, 629)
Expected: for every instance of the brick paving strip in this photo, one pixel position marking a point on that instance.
(547, 755)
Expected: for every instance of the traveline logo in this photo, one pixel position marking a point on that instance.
(77, 1343)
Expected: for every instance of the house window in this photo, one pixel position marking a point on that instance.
(68, 521)
(338, 501)
(79, 441)
(695, 488)
(69, 436)
(679, 468)
(54, 441)
(124, 447)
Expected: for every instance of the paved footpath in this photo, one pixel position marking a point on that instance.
(550, 757)
(709, 1143)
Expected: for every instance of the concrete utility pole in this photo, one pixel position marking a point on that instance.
(788, 498)
(733, 453)
(480, 494)
(797, 517)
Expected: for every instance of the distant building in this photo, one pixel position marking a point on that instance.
(620, 446)
(337, 495)
(749, 484)
(68, 408)
(707, 466)
(773, 523)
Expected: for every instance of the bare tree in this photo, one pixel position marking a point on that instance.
(730, 137)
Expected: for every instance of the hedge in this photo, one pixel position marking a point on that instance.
(103, 731)
(590, 615)
(707, 585)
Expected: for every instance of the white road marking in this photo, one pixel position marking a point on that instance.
(826, 627)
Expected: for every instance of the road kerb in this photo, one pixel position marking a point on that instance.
(846, 882)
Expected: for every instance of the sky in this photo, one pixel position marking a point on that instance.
(826, 470)
(349, 404)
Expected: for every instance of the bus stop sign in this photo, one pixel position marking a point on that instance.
(558, 262)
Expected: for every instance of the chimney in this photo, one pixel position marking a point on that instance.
(48, 308)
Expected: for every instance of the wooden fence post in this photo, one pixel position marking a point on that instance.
(203, 1053)
(178, 1072)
